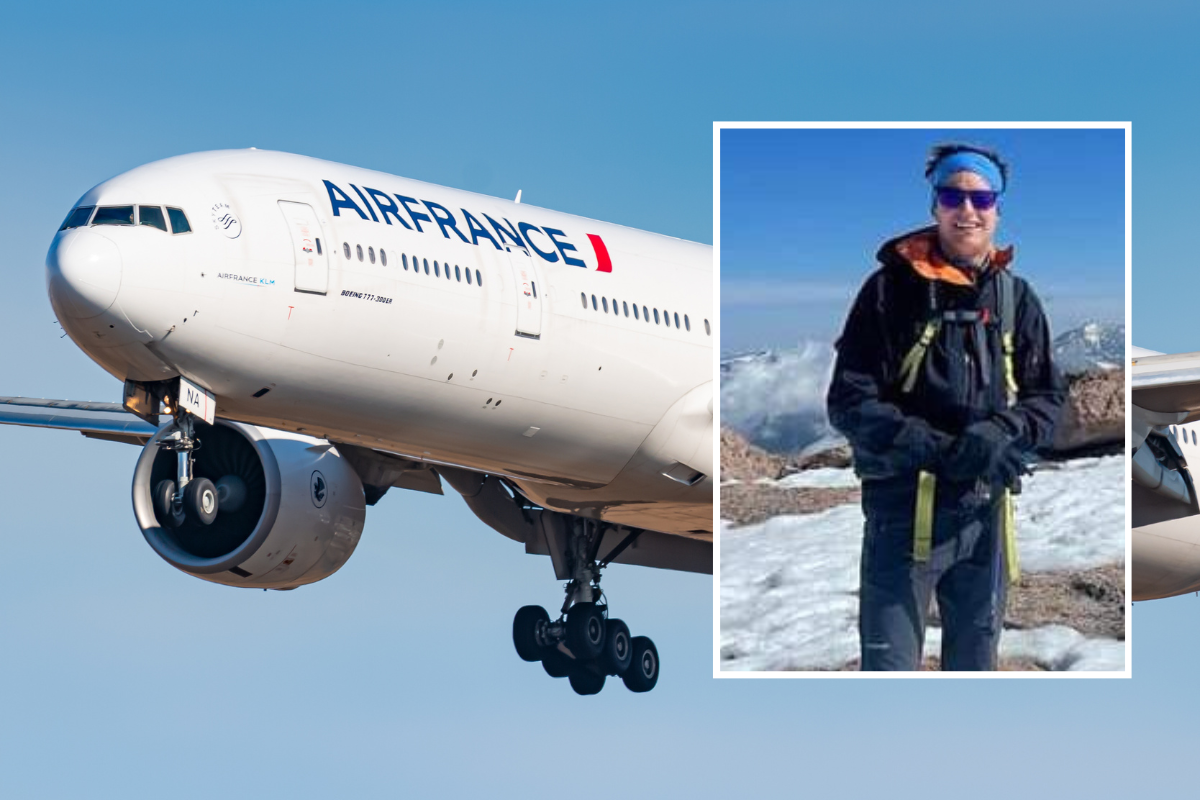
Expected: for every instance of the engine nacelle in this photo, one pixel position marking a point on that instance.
(297, 521)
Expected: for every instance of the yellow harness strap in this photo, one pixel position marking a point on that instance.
(1012, 563)
(911, 365)
(923, 521)
(1010, 374)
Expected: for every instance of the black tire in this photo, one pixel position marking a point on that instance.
(556, 663)
(642, 674)
(164, 505)
(200, 500)
(585, 631)
(585, 680)
(527, 633)
(618, 648)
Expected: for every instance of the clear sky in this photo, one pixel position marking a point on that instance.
(121, 677)
(803, 213)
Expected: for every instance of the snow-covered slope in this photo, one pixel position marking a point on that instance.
(788, 585)
(1096, 345)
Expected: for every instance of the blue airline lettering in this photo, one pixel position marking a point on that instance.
(478, 230)
(525, 228)
(365, 203)
(519, 235)
(446, 221)
(563, 247)
(386, 206)
(417, 216)
(339, 199)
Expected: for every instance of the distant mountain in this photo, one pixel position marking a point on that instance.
(1096, 345)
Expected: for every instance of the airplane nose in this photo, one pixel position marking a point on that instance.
(83, 270)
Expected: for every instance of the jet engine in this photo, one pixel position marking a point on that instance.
(291, 508)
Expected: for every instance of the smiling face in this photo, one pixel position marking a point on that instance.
(965, 233)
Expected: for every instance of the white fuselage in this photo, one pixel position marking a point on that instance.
(500, 358)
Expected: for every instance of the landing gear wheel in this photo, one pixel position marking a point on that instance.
(585, 631)
(200, 500)
(527, 632)
(556, 663)
(164, 505)
(586, 681)
(618, 649)
(642, 674)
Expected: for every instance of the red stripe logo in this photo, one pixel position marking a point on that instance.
(601, 253)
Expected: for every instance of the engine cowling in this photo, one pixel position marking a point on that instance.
(297, 518)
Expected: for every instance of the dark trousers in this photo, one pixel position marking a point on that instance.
(965, 569)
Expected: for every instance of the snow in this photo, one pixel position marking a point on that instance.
(824, 478)
(789, 585)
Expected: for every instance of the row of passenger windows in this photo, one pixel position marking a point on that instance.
(623, 306)
(438, 269)
(1179, 431)
(151, 216)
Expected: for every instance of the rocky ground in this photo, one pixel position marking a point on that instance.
(1090, 601)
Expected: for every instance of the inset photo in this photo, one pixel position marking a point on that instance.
(922, 398)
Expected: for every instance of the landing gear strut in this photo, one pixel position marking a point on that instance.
(584, 644)
(186, 496)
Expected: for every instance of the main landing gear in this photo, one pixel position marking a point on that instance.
(584, 644)
(186, 496)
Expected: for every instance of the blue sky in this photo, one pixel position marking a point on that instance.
(803, 213)
(120, 677)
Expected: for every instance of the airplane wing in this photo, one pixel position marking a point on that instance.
(1167, 384)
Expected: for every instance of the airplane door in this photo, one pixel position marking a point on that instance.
(529, 293)
(309, 246)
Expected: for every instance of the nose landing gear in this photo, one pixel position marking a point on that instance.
(584, 644)
(186, 496)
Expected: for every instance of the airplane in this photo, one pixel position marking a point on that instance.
(1165, 514)
(296, 337)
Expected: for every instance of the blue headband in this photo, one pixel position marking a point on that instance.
(967, 161)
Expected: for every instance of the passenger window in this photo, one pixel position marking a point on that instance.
(382, 256)
(468, 271)
(358, 250)
(478, 278)
(583, 299)
(534, 285)
(78, 218)
(404, 260)
(152, 216)
(687, 323)
(595, 307)
(635, 313)
(458, 276)
(371, 253)
(319, 252)
(436, 274)
(625, 307)
(346, 249)
(113, 215)
(676, 319)
(426, 260)
(604, 302)
(179, 223)
(656, 316)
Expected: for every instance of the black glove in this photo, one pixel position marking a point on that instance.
(924, 446)
(1008, 466)
(977, 453)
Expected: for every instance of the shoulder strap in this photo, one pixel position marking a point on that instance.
(1008, 323)
(910, 366)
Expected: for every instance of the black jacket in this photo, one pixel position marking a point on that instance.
(961, 379)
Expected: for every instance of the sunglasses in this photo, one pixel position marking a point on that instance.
(981, 199)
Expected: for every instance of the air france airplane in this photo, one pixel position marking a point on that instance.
(1166, 517)
(296, 337)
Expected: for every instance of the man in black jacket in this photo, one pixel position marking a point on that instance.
(945, 388)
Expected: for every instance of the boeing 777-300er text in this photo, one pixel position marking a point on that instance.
(311, 335)
(1166, 517)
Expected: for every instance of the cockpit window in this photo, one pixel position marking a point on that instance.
(78, 218)
(152, 216)
(179, 223)
(113, 215)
